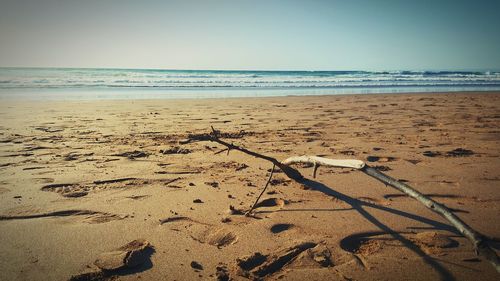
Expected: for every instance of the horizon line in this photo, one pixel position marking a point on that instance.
(255, 70)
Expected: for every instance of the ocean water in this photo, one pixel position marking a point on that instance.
(74, 83)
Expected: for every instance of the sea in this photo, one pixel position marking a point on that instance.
(99, 83)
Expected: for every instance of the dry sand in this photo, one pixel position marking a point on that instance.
(80, 180)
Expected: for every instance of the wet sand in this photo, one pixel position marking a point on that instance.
(80, 180)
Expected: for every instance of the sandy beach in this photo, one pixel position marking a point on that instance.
(81, 179)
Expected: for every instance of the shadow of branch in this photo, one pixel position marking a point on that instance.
(359, 206)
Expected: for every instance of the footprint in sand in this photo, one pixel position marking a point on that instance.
(380, 158)
(220, 237)
(130, 255)
(87, 216)
(280, 227)
(272, 202)
(130, 258)
(202, 232)
(301, 255)
(432, 242)
(74, 190)
(81, 189)
(365, 244)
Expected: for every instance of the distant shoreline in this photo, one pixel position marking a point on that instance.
(63, 96)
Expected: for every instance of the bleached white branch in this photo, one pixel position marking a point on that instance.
(327, 162)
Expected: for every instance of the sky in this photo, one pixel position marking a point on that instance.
(252, 35)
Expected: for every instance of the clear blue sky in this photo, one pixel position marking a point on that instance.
(305, 35)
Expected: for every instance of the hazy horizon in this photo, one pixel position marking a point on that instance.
(251, 35)
(259, 70)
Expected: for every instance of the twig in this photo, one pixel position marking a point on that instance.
(260, 195)
(289, 171)
(315, 169)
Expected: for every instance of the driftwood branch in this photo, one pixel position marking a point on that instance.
(479, 241)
